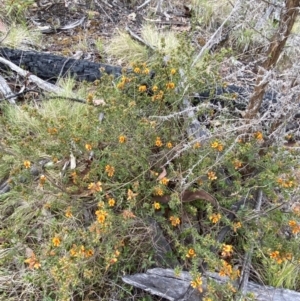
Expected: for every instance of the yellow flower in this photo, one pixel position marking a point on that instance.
(226, 269)
(33, 262)
(175, 220)
(89, 253)
(128, 214)
(89, 98)
(259, 136)
(137, 70)
(237, 164)
(158, 96)
(56, 241)
(217, 145)
(131, 195)
(121, 85)
(276, 256)
(154, 88)
(111, 202)
(156, 205)
(101, 216)
(52, 131)
(42, 180)
(158, 142)
(110, 170)
(27, 164)
(215, 217)
(173, 71)
(227, 250)
(170, 85)
(211, 175)
(191, 253)
(88, 147)
(294, 226)
(122, 139)
(142, 88)
(197, 145)
(73, 251)
(237, 226)
(158, 191)
(169, 145)
(68, 213)
(95, 187)
(164, 181)
(196, 283)
(146, 71)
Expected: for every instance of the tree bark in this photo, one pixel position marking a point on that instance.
(287, 20)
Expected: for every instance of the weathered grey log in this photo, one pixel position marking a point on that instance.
(50, 67)
(164, 283)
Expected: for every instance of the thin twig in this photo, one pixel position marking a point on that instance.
(137, 38)
(247, 261)
(144, 4)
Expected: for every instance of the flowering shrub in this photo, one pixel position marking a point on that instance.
(83, 189)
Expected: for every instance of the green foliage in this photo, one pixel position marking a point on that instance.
(87, 180)
(17, 8)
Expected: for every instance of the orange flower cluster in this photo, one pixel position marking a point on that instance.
(237, 164)
(142, 88)
(226, 270)
(217, 145)
(286, 183)
(123, 82)
(259, 136)
(156, 205)
(122, 139)
(191, 253)
(227, 250)
(158, 191)
(56, 241)
(280, 258)
(52, 131)
(196, 283)
(33, 262)
(101, 216)
(170, 86)
(215, 217)
(95, 187)
(211, 175)
(68, 212)
(175, 220)
(294, 226)
(27, 164)
(80, 251)
(158, 96)
(110, 170)
(158, 142)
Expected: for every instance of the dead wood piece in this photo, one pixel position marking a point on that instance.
(50, 67)
(32, 78)
(287, 20)
(164, 283)
(6, 91)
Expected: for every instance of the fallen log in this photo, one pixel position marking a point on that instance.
(51, 67)
(164, 283)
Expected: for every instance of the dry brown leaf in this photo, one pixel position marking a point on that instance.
(189, 196)
(162, 175)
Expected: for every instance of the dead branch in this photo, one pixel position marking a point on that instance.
(287, 20)
(32, 78)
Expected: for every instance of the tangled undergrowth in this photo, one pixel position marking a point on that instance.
(87, 182)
